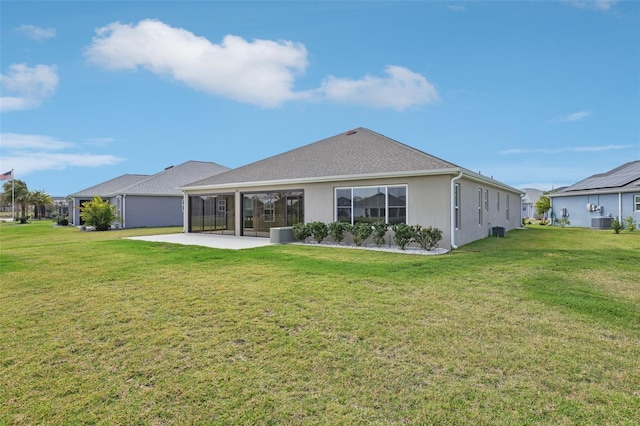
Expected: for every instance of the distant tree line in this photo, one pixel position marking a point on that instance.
(24, 199)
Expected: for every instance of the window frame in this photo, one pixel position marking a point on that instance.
(351, 208)
(636, 203)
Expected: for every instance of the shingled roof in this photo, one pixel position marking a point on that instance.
(357, 152)
(110, 186)
(169, 180)
(164, 183)
(625, 177)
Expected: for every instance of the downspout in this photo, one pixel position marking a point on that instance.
(124, 211)
(453, 209)
(620, 206)
(185, 212)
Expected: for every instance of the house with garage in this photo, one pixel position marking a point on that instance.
(145, 200)
(595, 201)
(356, 176)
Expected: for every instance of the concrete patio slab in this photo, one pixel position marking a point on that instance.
(229, 242)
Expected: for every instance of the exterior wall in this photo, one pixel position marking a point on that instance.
(428, 204)
(151, 211)
(612, 203)
(476, 225)
(74, 210)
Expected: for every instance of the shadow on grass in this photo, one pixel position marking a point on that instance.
(577, 298)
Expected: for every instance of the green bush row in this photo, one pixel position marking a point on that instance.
(403, 234)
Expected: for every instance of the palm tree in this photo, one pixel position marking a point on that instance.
(39, 199)
(22, 196)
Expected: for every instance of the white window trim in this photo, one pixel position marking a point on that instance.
(636, 203)
(386, 199)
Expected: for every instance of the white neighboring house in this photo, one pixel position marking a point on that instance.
(595, 201)
(145, 200)
(529, 200)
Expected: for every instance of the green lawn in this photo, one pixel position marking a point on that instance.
(541, 327)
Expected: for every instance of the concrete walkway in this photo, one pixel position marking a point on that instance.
(229, 242)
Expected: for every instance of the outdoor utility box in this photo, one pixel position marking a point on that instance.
(601, 223)
(281, 235)
(498, 231)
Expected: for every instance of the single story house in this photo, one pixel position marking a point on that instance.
(595, 201)
(529, 200)
(355, 176)
(145, 200)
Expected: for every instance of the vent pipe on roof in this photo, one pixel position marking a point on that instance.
(351, 132)
(169, 167)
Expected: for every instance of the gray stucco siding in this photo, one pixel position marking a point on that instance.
(472, 227)
(152, 211)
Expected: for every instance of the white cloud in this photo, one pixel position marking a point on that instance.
(260, 72)
(24, 142)
(602, 5)
(401, 88)
(576, 116)
(601, 148)
(456, 8)
(36, 33)
(27, 86)
(30, 153)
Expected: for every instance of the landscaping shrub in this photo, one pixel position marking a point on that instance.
(318, 230)
(301, 231)
(428, 238)
(379, 232)
(562, 222)
(98, 213)
(630, 224)
(403, 234)
(337, 231)
(361, 231)
(616, 225)
(62, 221)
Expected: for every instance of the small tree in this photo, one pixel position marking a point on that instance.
(361, 231)
(98, 213)
(630, 224)
(337, 230)
(402, 234)
(543, 205)
(616, 225)
(319, 231)
(379, 232)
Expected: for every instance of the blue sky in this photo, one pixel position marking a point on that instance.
(535, 94)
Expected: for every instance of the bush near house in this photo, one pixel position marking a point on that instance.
(319, 231)
(337, 230)
(98, 213)
(630, 224)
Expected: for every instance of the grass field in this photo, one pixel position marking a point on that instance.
(541, 327)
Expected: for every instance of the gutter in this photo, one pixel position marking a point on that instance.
(453, 209)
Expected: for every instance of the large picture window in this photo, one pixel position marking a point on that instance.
(371, 204)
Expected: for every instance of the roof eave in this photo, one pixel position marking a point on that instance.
(595, 191)
(341, 178)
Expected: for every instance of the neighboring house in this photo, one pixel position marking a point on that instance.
(146, 200)
(529, 200)
(355, 176)
(594, 201)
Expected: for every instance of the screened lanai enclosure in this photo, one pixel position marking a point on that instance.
(259, 212)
